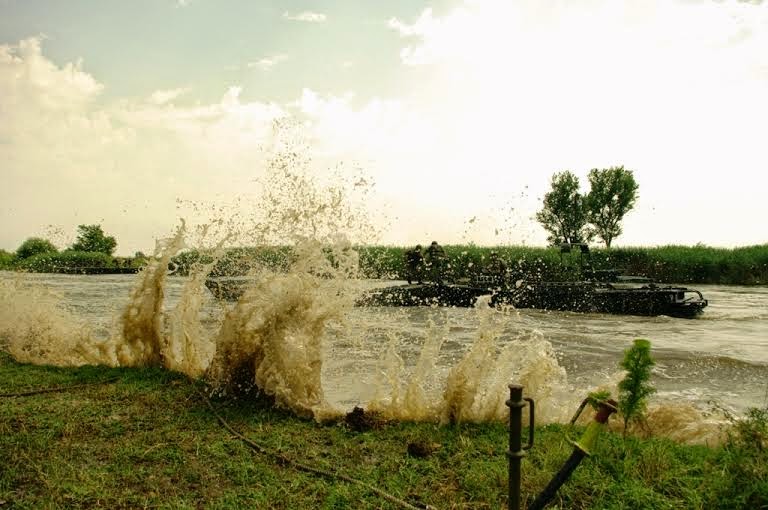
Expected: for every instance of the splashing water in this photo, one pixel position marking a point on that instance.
(274, 339)
(413, 401)
(143, 342)
(35, 329)
(476, 388)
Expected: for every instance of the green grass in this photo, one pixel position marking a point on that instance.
(149, 440)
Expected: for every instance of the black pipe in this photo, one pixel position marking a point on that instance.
(558, 480)
(580, 450)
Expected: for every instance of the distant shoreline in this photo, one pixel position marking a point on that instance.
(674, 264)
(678, 264)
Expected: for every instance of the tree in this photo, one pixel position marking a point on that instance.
(635, 388)
(92, 238)
(564, 214)
(34, 246)
(6, 259)
(612, 194)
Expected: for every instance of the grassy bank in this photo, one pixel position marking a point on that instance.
(72, 262)
(675, 264)
(145, 438)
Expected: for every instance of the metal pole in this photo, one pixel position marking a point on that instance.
(558, 480)
(515, 453)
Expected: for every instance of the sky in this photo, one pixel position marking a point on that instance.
(457, 112)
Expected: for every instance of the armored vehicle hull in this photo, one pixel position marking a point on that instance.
(646, 299)
(589, 297)
(423, 294)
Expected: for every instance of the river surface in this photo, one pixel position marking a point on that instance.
(719, 360)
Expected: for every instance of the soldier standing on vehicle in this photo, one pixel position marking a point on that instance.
(436, 261)
(414, 264)
(496, 269)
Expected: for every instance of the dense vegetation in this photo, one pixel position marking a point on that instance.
(674, 264)
(67, 261)
(70, 262)
(147, 439)
(6, 259)
(91, 252)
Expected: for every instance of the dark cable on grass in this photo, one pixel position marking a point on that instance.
(283, 460)
(56, 389)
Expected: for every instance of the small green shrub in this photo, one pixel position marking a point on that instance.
(635, 388)
(35, 246)
(7, 259)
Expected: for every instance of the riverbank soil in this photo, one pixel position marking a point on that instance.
(130, 438)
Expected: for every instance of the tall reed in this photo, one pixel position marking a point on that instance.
(674, 264)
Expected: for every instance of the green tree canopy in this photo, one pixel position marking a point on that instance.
(34, 246)
(6, 259)
(564, 214)
(612, 194)
(92, 238)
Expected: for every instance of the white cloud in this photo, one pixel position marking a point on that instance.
(267, 63)
(307, 16)
(160, 97)
(421, 27)
(514, 91)
(69, 160)
(496, 96)
(24, 63)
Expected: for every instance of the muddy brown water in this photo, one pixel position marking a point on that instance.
(399, 359)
